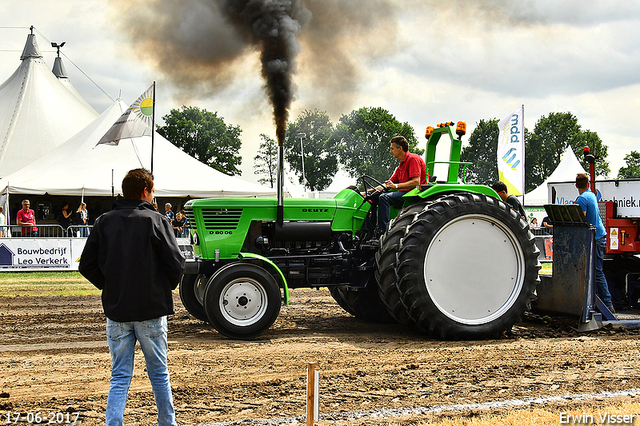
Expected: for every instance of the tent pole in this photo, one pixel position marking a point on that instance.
(8, 215)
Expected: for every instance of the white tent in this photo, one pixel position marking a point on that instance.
(37, 112)
(61, 73)
(566, 171)
(79, 167)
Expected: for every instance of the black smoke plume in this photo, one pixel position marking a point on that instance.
(273, 25)
(200, 44)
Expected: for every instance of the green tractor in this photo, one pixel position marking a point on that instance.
(455, 263)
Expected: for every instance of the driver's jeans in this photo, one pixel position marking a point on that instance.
(384, 203)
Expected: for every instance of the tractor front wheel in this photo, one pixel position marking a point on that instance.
(242, 300)
(192, 294)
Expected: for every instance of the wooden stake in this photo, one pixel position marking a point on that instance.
(312, 394)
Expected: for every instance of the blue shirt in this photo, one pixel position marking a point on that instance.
(589, 204)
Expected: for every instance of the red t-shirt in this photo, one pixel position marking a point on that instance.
(27, 217)
(412, 165)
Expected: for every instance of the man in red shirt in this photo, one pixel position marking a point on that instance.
(26, 216)
(410, 173)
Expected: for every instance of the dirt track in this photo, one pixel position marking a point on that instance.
(54, 358)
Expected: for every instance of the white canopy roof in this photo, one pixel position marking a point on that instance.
(566, 171)
(37, 111)
(80, 167)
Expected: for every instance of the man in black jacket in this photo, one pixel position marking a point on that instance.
(133, 257)
(501, 189)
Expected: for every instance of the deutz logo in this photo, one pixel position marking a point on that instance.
(315, 210)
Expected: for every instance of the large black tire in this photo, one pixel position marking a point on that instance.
(192, 294)
(363, 303)
(386, 276)
(242, 300)
(465, 265)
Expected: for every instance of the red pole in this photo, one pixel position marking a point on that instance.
(589, 158)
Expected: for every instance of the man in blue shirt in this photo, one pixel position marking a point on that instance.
(589, 204)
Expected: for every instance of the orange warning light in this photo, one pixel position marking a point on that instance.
(427, 134)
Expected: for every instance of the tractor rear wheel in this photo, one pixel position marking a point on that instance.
(192, 294)
(363, 303)
(362, 300)
(466, 266)
(242, 300)
(385, 260)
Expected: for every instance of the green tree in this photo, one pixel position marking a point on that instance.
(266, 161)
(320, 158)
(601, 151)
(482, 152)
(549, 139)
(204, 136)
(362, 141)
(632, 169)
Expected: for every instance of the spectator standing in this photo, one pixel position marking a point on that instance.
(168, 212)
(82, 216)
(501, 189)
(3, 222)
(185, 227)
(133, 257)
(589, 204)
(65, 217)
(177, 224)
(27, 216)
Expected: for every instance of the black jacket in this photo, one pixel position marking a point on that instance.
(133, 257)
(516, 205)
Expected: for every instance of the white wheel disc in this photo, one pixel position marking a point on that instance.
(474, 269)
(243, 302)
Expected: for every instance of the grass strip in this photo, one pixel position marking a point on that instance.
(13, 284)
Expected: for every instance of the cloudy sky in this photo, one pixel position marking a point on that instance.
(425, 61)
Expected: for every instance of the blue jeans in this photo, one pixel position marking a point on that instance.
(602, 288)
(385, 202)
(152, 335)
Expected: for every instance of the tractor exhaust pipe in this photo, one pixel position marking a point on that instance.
(280, 180)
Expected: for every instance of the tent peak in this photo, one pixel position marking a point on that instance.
(31, 47)
(58, 68)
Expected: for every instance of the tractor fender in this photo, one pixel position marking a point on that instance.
(441, 189)
(285, 287)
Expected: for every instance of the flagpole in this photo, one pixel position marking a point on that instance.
(153, 124)
(524, 144)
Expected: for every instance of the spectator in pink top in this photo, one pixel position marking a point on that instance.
(26, 216)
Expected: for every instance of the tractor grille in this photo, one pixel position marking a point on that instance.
(221, 218)
(190, 218)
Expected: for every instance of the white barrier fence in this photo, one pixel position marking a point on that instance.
(51, 254)
(40, 254)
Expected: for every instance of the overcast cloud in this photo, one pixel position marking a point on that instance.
(425, 61)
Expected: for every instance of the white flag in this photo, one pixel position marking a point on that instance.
(136, 121)
(511, 151)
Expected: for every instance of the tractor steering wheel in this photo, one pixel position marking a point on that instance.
(367, 183)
